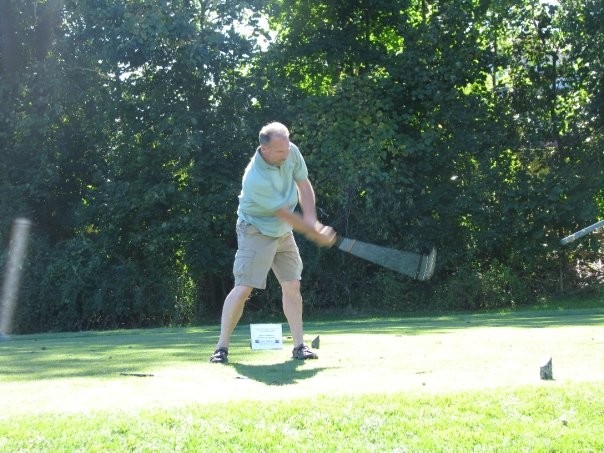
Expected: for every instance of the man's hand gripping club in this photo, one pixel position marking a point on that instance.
(309, 226)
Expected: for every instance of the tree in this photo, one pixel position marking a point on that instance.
(148, 100)
(472, 125)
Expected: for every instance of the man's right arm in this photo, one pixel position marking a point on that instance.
(323, 236)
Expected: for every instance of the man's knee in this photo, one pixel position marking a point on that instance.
(241, 292)
(291, 288)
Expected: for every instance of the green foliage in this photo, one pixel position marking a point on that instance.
(118, 155)
(125, 127)
(427, 155)
(484, 287)
(86, 285)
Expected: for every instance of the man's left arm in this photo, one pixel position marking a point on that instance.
(307, 200)
(307, 224)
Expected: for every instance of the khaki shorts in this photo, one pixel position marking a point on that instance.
(257, 254)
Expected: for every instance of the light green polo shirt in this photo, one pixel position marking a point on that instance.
(266, 188)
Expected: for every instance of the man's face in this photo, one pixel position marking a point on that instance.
(276, 151)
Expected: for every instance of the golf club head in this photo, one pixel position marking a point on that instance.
(427, 265)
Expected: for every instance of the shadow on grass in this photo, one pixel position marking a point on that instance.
(286, 373)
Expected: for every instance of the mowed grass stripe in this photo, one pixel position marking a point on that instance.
(535, 418)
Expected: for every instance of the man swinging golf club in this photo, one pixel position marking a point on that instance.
(274, 182)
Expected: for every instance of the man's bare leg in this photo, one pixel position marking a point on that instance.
(231, 313)
(292, 308)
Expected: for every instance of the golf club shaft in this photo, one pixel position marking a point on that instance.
(581, 233)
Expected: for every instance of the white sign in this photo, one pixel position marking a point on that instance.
(266, 336)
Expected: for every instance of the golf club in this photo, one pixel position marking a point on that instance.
(415, 265)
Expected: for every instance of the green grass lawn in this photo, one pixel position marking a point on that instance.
(455, 383)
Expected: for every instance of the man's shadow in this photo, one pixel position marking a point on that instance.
(285, 373)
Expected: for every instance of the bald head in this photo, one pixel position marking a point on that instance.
(273, 130)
